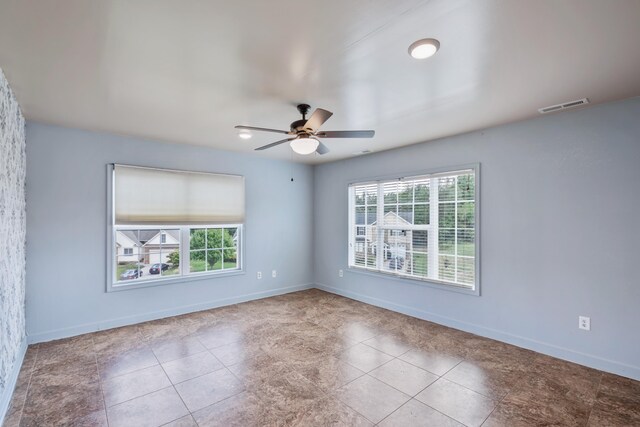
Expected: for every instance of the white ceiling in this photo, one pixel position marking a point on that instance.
(188, 71)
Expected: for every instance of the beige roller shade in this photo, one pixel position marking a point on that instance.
(145, 196)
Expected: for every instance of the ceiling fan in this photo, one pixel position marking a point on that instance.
(305, 133)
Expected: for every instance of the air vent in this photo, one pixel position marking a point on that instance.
(359, 153)
(565, 106)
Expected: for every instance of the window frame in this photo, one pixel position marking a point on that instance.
(428, 282)
(187, 250)
(113, 285)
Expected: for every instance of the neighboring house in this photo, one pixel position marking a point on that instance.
(363, 239)
(396, 242)
(146, 246)
(361, 242)
(160, 245)
(127, 247)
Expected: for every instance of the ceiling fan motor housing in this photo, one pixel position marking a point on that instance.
(298, 125)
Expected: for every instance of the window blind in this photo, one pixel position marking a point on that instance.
(422, 227)
(146, 196)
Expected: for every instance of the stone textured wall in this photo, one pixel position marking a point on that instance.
(12, 230)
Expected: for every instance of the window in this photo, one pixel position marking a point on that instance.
(192, 228)
(154, 258)
(213, 249)
(422, 227)
(208, 250)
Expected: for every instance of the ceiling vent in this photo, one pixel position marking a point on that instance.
(360, 153)
(565, 106)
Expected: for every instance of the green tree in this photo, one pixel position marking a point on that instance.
(422, 193)
(213, 245)
(174, 258)
(466, 187)
(405, 195)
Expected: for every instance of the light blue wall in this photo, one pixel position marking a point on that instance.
(558, 220)
(66, 231)
(560, 199)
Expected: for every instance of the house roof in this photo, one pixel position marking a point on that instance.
(151, 234)
(131, 235)
(404, 217)
(141, 237)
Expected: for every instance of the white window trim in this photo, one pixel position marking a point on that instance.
(113, 285)
(428, 282)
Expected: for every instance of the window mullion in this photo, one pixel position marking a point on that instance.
(185, 234)
(433, 235)
(455, 230)
(352, 227)
(379, 222)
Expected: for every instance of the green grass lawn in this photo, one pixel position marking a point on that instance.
(420, 264)
(171, 271)
(200, 265)
(464, 249)
(196, 266)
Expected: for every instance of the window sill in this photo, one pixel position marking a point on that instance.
(430, 283)
(171, 281)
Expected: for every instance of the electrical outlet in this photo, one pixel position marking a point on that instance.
(584, 323)
(274, 273)
(259, 275)
(340, 273)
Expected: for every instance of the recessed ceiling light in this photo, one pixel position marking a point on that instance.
(244, 134)
(424, 48)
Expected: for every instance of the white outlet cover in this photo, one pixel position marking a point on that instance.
(584, 322)
(274, 273)
(259, 275)
(340, 273)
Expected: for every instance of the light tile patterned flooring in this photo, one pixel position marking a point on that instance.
(308, 359)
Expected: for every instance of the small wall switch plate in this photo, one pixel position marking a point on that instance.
(584, 323)
(259, 275)
(340, 273)
(274, 273)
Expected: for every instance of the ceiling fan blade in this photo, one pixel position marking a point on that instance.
(317, 119)
(346, 134)
(273, 144)
(322, 149)
(263, 129)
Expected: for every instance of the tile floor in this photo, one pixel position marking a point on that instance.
(308, 359)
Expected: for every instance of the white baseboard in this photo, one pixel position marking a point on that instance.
(138, 318)
(528, 343)
(10, 385)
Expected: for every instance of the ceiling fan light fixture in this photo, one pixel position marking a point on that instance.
(303, 136)
(304, 145)
(424, 48)
(245, 134)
